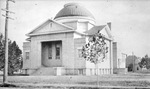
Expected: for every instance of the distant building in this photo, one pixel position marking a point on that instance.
(132, 63)
(54, 47)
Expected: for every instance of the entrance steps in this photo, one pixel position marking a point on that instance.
(43, 71)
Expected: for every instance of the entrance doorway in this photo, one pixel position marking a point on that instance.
(52, 54)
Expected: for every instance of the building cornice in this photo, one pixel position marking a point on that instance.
(51, 32)
(75, 17)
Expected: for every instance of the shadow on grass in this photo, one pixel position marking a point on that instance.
(7, 85)
(119, 83)
(59, 87)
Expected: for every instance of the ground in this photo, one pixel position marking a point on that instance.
(129, 80)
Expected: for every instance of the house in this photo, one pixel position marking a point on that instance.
(132, 63)
(54, 47)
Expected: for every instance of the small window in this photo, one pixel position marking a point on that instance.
(80, 71)
(57, 51)
(27, 55)
(51, 24)
(50, 52)
(91, 71)
(80, 53)
(137, 68)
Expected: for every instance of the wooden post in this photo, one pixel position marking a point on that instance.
(133, 62)
(6, 46)
(97, 75)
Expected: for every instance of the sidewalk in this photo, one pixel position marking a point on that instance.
(28, 85)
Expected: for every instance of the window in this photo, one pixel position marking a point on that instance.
(137, 68)
(50, 52)
(27, 55)
(91, 71)
(80, 53)
(57, 51)
(80, 71)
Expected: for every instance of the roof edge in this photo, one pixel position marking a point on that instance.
(46, 22)
(54, 32)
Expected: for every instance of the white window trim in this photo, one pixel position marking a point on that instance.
(25, 54)
(79, 48)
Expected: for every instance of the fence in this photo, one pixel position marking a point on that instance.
(86, 71)
(71, 71)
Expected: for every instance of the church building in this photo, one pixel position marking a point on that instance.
(54, 47)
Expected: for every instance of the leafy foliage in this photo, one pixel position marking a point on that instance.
(95, 50)
(145, 62)
(2, 52)
(14, 56)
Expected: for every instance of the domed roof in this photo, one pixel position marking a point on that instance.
(73, 9)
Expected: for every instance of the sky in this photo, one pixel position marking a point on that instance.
(130, 20)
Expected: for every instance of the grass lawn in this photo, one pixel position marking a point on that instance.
(121, 80)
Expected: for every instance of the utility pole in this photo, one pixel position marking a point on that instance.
(133, 62)
(6, 40)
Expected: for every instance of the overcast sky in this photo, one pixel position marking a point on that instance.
(130, 20)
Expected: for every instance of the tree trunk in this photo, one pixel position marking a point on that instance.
(96, 67)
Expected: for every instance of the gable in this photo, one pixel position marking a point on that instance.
(108, 31)
(104, 29)
(95, 30)
(104, 32)
(50, 26)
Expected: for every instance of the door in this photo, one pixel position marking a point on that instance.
(52, 54)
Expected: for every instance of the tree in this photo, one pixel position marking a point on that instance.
(145, 62)
(2, 52)
(95, 50)
(14, 56)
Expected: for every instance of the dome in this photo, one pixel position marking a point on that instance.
(73, 9)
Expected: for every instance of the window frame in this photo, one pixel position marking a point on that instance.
(57, 47)
(79, 56)
(50, 52)
(27, 56)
